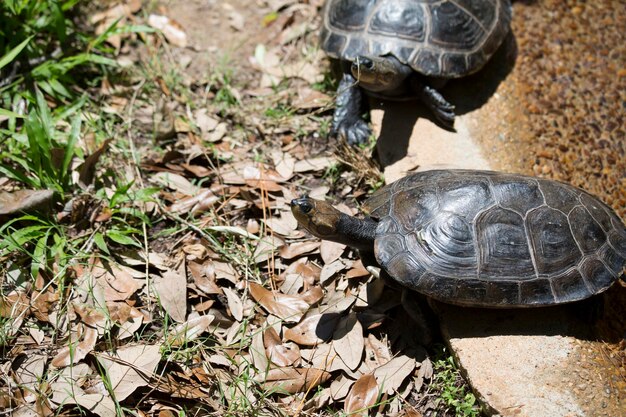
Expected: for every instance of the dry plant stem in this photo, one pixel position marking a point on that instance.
(270, 260)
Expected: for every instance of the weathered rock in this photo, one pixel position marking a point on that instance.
(534, 362)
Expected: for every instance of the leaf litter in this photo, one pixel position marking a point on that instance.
(238, 302)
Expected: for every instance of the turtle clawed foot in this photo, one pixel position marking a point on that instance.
(445, 117)
(354, 131)
(443, 110)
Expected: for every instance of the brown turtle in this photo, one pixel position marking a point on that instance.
(482, 238)
(391, 47)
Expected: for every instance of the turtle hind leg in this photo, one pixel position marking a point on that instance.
(441, 108)
(347, 121)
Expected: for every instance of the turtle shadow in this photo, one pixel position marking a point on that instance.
(466, 94)
(599, 318)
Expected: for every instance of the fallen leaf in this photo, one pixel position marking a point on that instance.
(392, 374)
(204, 276)
(357, 270)
(313, 330)
(87, 169)
(284, 225)
(117, 282)
(348, 341)
(198, 203)
(21, 201)
(292, 284)
(130, 368)
(77, 350)
(331, 251)
(297, 249)
(172, 291)
(329, 270)
(281, 354)
(189, 330)
(65, 390)
(293, 380)
(266, 247)
(257, 351)
(176, 182)
(284, 164)
(362, 395)
(339, 387)
(234, 303)
(313, 164)
(171, 29)
(288, 307)
(29, 373)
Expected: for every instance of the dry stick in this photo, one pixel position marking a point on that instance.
(270, 260)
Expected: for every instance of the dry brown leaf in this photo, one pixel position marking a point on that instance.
(130, 368)
(172, 291)
(392, 374)
(348, 341)
(310, 99)
(370, 293)
(86, 336)
(29, 373)
(88, 168)
(66, 390)
(313, 330)
(189, 330)
(43, 300)
(201, 202)
(172, 30)
(363, 395)
(259, 356)
(20, 201)
(293, 380)
(377, 352)
(284, 164)
(234, 303)
(281, 354)
(314, 164)
(331, 251)
(339, 387)
(284, 225)
(299, 248)
(265, 247)
(204, 276)
(357, 270)
(288, 307)
(117, 282)
(129, 327)
(329, 270)
(292, 283)
(176, 182)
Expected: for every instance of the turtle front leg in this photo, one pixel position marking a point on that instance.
(347, 121)
(443, 111)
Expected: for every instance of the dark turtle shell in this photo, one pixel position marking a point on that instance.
(483, 238)
(436, 38)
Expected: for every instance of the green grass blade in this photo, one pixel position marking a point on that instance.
(70, 151)
(9, 113)
(14, 52)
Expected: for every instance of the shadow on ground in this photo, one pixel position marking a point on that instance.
(467, 94)
(600, 318)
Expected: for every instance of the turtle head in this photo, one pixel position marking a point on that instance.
(381, 73)
(326, 222)
(318, 217)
